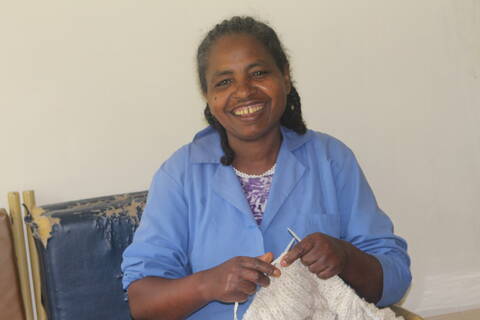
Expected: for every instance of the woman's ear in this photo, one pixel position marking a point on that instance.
(287, 79)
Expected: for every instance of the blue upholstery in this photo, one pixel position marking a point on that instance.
(80, 264)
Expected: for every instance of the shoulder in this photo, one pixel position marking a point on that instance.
(317, 144)
(204, 148)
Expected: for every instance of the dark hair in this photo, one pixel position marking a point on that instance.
(292, 117)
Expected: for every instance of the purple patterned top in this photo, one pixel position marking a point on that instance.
(256, 189)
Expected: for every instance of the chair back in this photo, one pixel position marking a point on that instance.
(11, 304)
(80, 246)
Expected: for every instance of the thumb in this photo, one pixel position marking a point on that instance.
(266, 257)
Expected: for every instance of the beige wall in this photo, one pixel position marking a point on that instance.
(94, 95)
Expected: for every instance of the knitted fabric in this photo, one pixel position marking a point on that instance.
(299, 294)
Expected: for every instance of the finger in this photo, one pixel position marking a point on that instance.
(247, 287)
(327, 273)
(317, 267)
(267, 257)
(256, 277)
(241, 297)
(313, 256)
(298, 251)
(261, 266)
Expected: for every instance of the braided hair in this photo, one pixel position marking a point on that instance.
(292, 117)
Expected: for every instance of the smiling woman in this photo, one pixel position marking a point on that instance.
(257, 66)
(246, 94)
(207, 236)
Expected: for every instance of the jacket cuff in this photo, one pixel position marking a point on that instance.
(396, 279)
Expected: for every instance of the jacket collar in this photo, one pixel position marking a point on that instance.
(289, 172)
(206, 148)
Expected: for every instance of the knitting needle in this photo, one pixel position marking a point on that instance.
(293, 234)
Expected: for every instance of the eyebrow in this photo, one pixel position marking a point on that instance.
(228, 72)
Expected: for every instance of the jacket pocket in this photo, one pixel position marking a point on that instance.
(324, 223)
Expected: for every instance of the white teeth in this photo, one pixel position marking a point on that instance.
(247, 110)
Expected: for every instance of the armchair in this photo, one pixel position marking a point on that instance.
(80, 245)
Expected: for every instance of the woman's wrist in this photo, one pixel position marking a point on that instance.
(204, 286)
(348, 252)
(363, 272)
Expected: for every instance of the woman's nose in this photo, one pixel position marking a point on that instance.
(244, 90)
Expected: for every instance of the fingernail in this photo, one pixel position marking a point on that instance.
(283, 263)
(276, 273)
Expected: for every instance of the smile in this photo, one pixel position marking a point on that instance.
(247, 110)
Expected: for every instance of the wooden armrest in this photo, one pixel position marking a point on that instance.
(407, 315)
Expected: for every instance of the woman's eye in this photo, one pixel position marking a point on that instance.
(258, 74)
(223, 83)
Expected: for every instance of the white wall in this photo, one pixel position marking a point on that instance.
(94, 95)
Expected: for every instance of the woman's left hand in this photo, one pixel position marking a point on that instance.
(324, 256)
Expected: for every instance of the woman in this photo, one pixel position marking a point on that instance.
(218, 209)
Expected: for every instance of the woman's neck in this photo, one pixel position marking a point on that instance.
(258, 156)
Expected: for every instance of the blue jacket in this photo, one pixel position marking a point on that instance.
(197, 215)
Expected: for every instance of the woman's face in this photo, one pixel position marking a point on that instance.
(246, 91)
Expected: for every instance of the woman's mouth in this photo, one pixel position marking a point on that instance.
(247, 111)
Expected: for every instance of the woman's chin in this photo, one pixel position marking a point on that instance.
(254, 134)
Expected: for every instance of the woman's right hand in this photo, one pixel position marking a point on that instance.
(237, 278)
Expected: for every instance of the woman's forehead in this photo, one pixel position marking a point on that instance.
(237, 49)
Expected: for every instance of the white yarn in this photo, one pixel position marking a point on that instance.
(299, 294)
(235, 311)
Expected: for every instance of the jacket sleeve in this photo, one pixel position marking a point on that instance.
(159, 246)
(367, 227)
